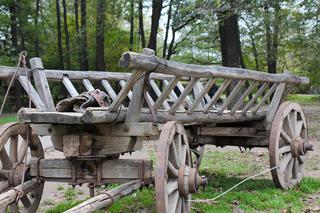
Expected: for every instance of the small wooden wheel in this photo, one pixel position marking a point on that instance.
(13, 146)
(288, 145)
(175, 177)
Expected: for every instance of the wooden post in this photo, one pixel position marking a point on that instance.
(135, 105)
(106, 199)
(41, 82)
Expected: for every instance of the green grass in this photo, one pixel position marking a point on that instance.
(64, 206)
(8, 118)
(303, 99)
(224, 170)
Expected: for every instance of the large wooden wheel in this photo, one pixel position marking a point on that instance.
(175, 177)
(288, 145)
(13, 146)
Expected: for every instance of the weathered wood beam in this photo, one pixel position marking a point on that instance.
(69, 86)
(216, 96)
(105, 83)
(146, 63)
(103, 115)
(254, 98)
(10, 196)
(87, 84)
(27, 86)
(41, 82)
(249, 142)
(111, 171)
(105, 200)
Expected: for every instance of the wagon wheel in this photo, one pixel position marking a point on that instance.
(175, 177)
(13, 146)
(288, 145)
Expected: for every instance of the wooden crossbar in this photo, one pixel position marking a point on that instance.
(158, 93)
(255, 97)
(265, 97)
(87, 84)
(69, 86)
(27, 86)
(105, 83)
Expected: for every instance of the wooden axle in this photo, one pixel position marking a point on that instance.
(91, 170)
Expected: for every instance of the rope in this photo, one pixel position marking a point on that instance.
(22, 59)
(233, 187)
(28, 124)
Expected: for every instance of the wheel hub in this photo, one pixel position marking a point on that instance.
(300, 147)
(189, 181)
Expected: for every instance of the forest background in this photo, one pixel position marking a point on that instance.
(264, 35)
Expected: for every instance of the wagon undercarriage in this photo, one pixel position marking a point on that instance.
(184, 107)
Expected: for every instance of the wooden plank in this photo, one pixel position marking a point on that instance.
(158, 65)
(126, 89)
(235, 91)
(265, 97)
(247, 142)
(69, 86)
(219, 92)
(41, 83)
(165, 93)
(197, 90)
(158, 93)
(243, 96)
(181, 88)
(118, 129)
(87, 84)
(254, 98)
(228, 131)
(40, 116)
(184, 95)
(27, 86)
(98, 115)
(105, 83)
(123, 84)
(173, 95)
(111, 169)
(276, 100)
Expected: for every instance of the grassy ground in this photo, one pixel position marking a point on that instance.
(5, 118)
(304, 99)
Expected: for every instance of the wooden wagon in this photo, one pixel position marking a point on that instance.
(183, 106)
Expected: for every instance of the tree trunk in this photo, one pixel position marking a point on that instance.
(230, 44)
(272, 30)
(60, 54)
(101, 11)
(141, 30)
(131, 24)
(76, 14)
(156, 13)
(66, 32)
(83, 41)
(164, 53)
(170, 49)
(14, 40)
(36, 20)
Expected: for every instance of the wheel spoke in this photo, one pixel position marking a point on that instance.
(5, 160)
(3, 210)
(172, 170)
(294, 119)
(295, 169)
(289, 170)
(284, 162)
(13, 148)
(285, 136)
(284, 149)
(299, 128)
(301, 160)
(22, 150)
(172, 185)
(179, 205)
(174, 153)
(25, 201)
(183, 155)
(290, 126)
(3, 186)
(173, 200)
